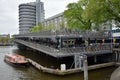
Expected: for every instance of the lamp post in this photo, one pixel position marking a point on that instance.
(85, 67)
(81, 62)
(111, 35)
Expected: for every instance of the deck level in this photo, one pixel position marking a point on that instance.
(65, 52)
(60, 44)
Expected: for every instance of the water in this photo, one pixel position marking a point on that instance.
(9, 72)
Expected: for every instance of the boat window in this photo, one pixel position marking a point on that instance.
(20, 59)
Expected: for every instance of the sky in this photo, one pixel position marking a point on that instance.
(9, 23)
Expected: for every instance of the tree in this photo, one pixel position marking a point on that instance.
(42, 27)
(62, 25)
(102, 11)
(5, 39)
(37, 28)
(74, 16)
(50, 27)
(84, 13)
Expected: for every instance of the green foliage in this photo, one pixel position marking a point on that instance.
(74, 16)
(37, 28)
(5, 39)
(100, 11)
(42, 27)
(50, 27)
(82, 14)
(62, 25)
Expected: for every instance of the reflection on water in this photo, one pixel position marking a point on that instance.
(8, 72)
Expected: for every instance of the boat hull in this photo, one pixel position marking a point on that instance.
(17, 64)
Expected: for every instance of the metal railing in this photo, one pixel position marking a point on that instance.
(98, 49)
(89, 49)
(85, 34)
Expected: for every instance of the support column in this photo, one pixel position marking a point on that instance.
(85, 66)
(60, 42)
(118, 56)
(114, 57)
(95, 58)
(78, 61)
(81, 62)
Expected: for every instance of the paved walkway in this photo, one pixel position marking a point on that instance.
(116, 74)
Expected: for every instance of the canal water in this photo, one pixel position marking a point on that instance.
(9, 72)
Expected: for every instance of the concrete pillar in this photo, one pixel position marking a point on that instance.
(118, 59)
(60, 43)
(81, 62)
(78, 59)
(116, 56)
(95, 59)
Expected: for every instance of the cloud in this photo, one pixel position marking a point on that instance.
(53, 7)
(9, 12)
(8, 20)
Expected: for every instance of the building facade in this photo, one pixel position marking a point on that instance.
(30, 14)
(57, 20)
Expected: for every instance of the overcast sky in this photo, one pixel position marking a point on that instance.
(9, 12)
